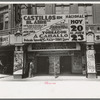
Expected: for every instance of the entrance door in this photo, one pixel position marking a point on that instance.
(42, 65)
(97, 57)
(65, 64)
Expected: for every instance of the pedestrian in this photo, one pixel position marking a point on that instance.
(55, 71)
(31, 68)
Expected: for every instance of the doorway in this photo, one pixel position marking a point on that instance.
(65, 65)
(42, 65)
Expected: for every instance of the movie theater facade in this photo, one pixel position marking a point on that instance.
(55, 41)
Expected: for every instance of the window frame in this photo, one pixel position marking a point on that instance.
(62, 8)
(86, 13)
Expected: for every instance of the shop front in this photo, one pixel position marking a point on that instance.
(66, 56)
(6, 55)
(54, 41)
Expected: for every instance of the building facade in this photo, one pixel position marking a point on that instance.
(65, 36)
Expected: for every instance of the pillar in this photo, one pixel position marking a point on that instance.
(18, 56)
(90, 55)
(54, 61)
(77, 62)
(18, 61)
(91, 68)
(11, 16)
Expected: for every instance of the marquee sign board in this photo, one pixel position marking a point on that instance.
(53, 28)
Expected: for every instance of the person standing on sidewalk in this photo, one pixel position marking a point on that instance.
(31, 68)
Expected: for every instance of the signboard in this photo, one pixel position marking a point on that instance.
(54, 46)
(91, 61)
(77, 27)
(18, 62)
(52, 28)
(4, 40)
(97, 37)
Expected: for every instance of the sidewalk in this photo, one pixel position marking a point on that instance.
(49, 78)
(4, 76)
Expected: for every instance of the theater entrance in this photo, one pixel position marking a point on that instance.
(65, 65)
(42, 65)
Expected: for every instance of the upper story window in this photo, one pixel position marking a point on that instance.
(1, 22)
(96, 13)
(62, 9)
(4, 17)
(40, 10)
(87, 10)
(23, 10)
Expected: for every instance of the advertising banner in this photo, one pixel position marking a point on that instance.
(52, 28)
(97, 37)
(18, 62)
(91, 61)
(77, 27)
(4, 40)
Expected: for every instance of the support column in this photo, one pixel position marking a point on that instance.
(90, 54)
(18, 56)
(18, 61)
(91, 68)
(11, 16)
(54, 61)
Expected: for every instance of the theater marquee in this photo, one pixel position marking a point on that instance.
(53, 28)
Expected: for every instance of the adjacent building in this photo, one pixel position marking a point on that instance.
(65, 36)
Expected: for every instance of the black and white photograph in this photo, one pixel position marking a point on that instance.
(50, 49)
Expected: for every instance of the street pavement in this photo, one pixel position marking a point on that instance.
(49, 87)
(49, 78)
(4, 76)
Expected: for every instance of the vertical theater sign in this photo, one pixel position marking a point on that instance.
(53, 28)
